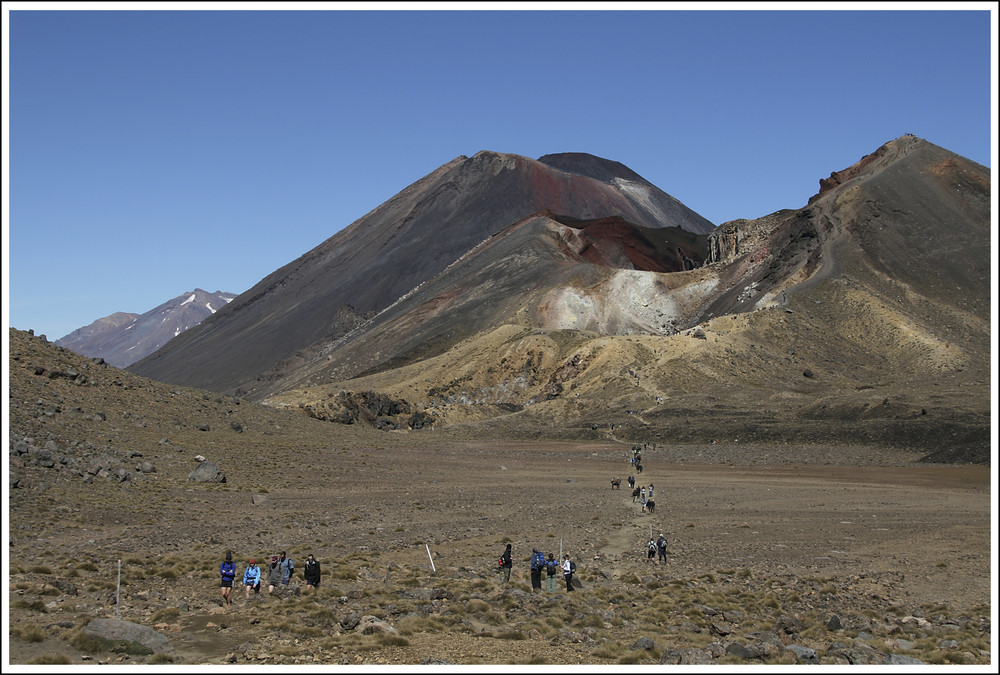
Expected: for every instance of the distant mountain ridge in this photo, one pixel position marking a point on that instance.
(123, 338)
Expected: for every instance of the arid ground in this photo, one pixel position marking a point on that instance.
(778, 554)
(901, 550)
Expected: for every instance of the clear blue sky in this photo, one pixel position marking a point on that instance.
(153, 152)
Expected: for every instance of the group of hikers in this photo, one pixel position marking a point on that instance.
(657, 548)
(279, 573)
(538, 565)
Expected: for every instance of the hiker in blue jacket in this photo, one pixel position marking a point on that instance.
(227, 570)
(251, 578)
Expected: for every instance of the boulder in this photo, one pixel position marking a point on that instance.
(803, 654)
(686, 656)
(644, 643)
(114, 629)
(207, 472)
(370, 624)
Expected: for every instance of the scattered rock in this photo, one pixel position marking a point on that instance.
(207, 472)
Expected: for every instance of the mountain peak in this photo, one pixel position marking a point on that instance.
(598, 168)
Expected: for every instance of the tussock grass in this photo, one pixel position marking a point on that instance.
(590, 621)
(40, 569)
(51, 659)
(392, 640)
(35, 605)
(164, 614)
(29, 632)
(511, 635)
(94, 644)
(634, 656)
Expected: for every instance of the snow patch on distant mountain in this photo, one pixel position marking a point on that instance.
(122, 339)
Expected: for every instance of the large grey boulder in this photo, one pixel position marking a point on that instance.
(686, 656)
(114, 629)
(207, 472)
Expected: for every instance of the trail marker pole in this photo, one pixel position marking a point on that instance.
(118, 590)
(431, 558)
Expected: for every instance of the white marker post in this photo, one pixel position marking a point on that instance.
(118, 590)
(431, 558)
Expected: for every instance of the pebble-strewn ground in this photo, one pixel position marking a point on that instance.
(813, 555)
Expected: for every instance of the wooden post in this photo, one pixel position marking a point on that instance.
(431, 558)
(118, 590)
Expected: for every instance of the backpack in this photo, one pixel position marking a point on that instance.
(572, 567)
(551, 566)
(537, 561)
(500, 561)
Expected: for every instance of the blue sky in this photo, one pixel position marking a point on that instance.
(153, 152)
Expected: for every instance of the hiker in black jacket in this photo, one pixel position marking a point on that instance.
(311, 572)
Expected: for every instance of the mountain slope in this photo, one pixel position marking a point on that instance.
(535, 273)
(863, 316)
(122, 338)
(402, 243)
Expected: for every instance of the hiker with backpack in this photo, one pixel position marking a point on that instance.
(569, 569)
(287, 568)
(227, 570)
(650, 550)
(274, 574)
(661, 548)
(251, 578)
(551, 570)
(537, 563)
(506, 563)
